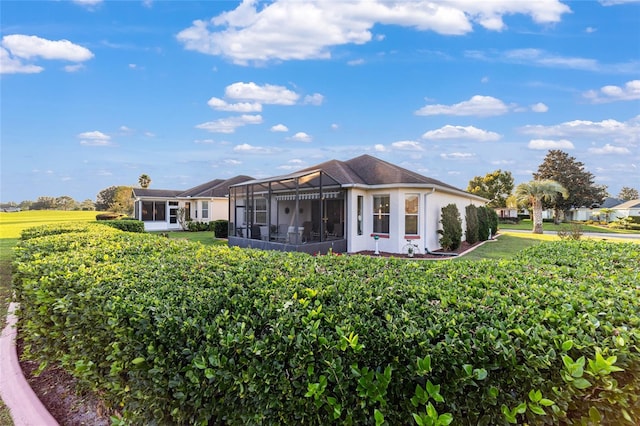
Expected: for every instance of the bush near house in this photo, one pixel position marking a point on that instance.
(174, 332)
(129, 225)
(471, 221)
(221, 228)
(451, 232)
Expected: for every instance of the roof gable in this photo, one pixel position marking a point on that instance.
(631, 204)
(211, 189)
(214, 188)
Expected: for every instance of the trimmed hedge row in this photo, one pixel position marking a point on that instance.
(174, 332)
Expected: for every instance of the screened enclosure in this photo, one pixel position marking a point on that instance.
(298, 212)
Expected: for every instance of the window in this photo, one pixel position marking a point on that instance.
(261, 211)
(411, 214)
(360, 203)
(205, 210)
(153, 211)
(381, 209)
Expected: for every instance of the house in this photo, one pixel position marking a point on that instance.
(159, 208)
(344, 206)
(626, 209)
(506, 213)
(593, 212)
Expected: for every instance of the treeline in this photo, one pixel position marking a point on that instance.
(64, 202)
(115, 198)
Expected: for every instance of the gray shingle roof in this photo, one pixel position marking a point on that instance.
(214, 188)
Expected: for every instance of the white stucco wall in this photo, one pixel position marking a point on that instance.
(430, 205)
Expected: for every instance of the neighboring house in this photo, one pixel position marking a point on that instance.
(626, 209)
(506, 213)
(346, 206)
(592, 212)
(159, 208)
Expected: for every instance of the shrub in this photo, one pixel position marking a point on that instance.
(221, 228)
(195, 226)
(483, 224)
(451, 227)
(172, 332)
(126, 225)
(471, 220)
(574, 232)
(109, 216)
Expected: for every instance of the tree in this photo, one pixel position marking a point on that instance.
(144, 180)
(495, 187)
(116, 199)
(87, 204)
(578, 182)
(65, 202)
(535, 193)
(44, 203)
(628, 194)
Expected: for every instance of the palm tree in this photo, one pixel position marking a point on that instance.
(144, 180)
(534, 193)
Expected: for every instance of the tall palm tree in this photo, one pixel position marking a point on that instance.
(534, 193)
(144, 180)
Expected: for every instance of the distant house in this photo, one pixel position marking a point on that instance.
(506, 213)
(592, 212)
(626, 209)
(346, 206)
(159, 208)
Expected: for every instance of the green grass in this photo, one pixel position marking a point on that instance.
(526, 225)
(506, 246)
(11, 224)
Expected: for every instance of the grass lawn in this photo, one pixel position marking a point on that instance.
(526, 225)
(11, 224)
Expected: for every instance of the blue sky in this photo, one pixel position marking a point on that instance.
(95, 93)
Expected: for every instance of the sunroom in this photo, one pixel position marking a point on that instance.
(302, 211)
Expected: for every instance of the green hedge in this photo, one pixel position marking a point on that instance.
(129, 225)
(174, 332)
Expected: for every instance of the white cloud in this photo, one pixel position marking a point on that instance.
(15, 49)
(590, 30)
(28, 47)
(315, 99)
(457, 156)
(250, 149)
(73, 68)
(539, 107)
(481, 106)
(9, 65)
(355, 62)
(623, 133)
(461, 132)
(407, 146)
(221, 105)
(550, 144)
(88, 2)
(616, 2)
(301, 137)
(279, 128)
(335, 126)
(630, 91)
(543, 58)
(266, 94)
(293, 164)
(204, 141)
(232, 162)
(610, 149)
(229, 125)
(292, 30)
(94, 138)
(379, 148)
